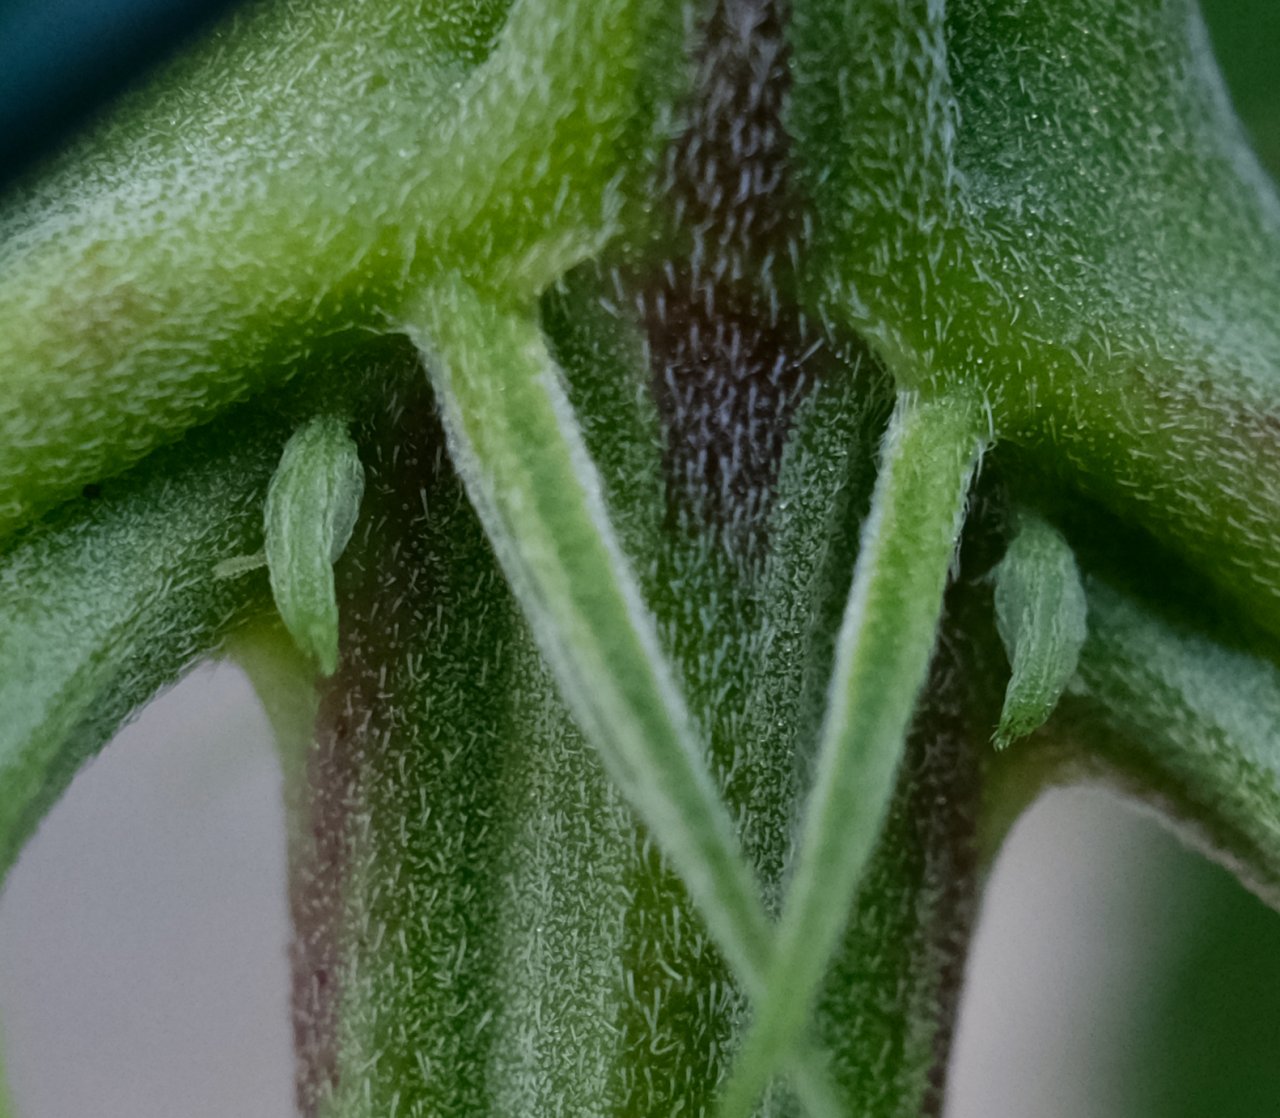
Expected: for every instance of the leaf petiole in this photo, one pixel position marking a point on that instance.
(882, 654)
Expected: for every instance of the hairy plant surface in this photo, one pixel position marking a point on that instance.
(677, 439)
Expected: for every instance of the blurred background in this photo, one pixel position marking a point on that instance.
(143, 932)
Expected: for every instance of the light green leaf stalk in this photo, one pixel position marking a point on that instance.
(890, 623)
(515, 441)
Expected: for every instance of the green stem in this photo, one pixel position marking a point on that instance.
(516, 445)
(187, 250)
(517, 448)
(882, 655)
(330, 190)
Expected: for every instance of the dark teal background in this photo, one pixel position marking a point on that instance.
(61, 59)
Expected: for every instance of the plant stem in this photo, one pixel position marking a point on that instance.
(1184, 718)
(517, 448)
